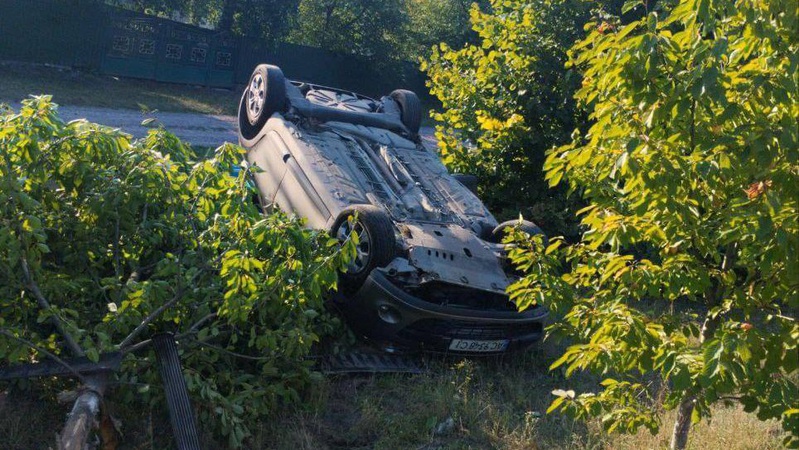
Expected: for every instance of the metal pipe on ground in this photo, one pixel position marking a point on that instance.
(181, 415)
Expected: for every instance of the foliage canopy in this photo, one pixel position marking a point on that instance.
(687, 268)
(507, 99)
(105, 241)
(387, 32)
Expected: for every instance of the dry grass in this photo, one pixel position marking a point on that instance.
(27, 418)
(729, 428)
(493, 405)
(71, 87)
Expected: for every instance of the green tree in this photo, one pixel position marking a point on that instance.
(508, 99)
(431, 22)
(270, 20)
(105, 241)
(367, 28)
(687, 271)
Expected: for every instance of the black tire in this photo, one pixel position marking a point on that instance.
(264, 95)
(377, 241)
(410, 109)
(528, 227)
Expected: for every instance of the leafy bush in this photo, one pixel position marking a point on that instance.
(105, 241)
(687, 272)
(507, 100)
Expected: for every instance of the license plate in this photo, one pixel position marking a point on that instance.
(469, 345)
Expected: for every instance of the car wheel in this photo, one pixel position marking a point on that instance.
(376, 242)
(410, 109)
(528, 227)
(264, 95)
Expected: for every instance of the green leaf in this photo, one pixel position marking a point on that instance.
(93, 354)
(629, 5)
(696, 416)
(562, 393)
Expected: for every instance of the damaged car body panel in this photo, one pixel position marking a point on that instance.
(430, 272)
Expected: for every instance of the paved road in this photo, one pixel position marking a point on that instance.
(196, 129)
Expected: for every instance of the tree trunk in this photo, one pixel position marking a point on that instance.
(323, 38)
(82, 420)
(679, 436)
(229, 8)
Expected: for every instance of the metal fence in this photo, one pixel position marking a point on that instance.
(163, 50)
(91, 35)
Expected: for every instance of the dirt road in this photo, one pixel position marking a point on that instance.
(196, 129)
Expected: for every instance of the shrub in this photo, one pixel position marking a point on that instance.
(106, 240)
(507, 100)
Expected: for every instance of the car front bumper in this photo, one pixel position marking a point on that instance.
(386, 314)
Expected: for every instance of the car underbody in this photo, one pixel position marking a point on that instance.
(431, 272)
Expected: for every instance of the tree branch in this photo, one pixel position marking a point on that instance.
(139, 345)
(178, 295)
(50, 355)
(196, 325)
(352, 21)
(136, 347)
(45, 305)
(117, 259)
(711, 323)
(231, 353)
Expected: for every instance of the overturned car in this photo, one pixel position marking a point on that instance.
(431, 271)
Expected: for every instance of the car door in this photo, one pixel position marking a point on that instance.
(296, 193)
(268, 156)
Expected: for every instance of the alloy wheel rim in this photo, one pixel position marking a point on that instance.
(256, 94)
(363, 251)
